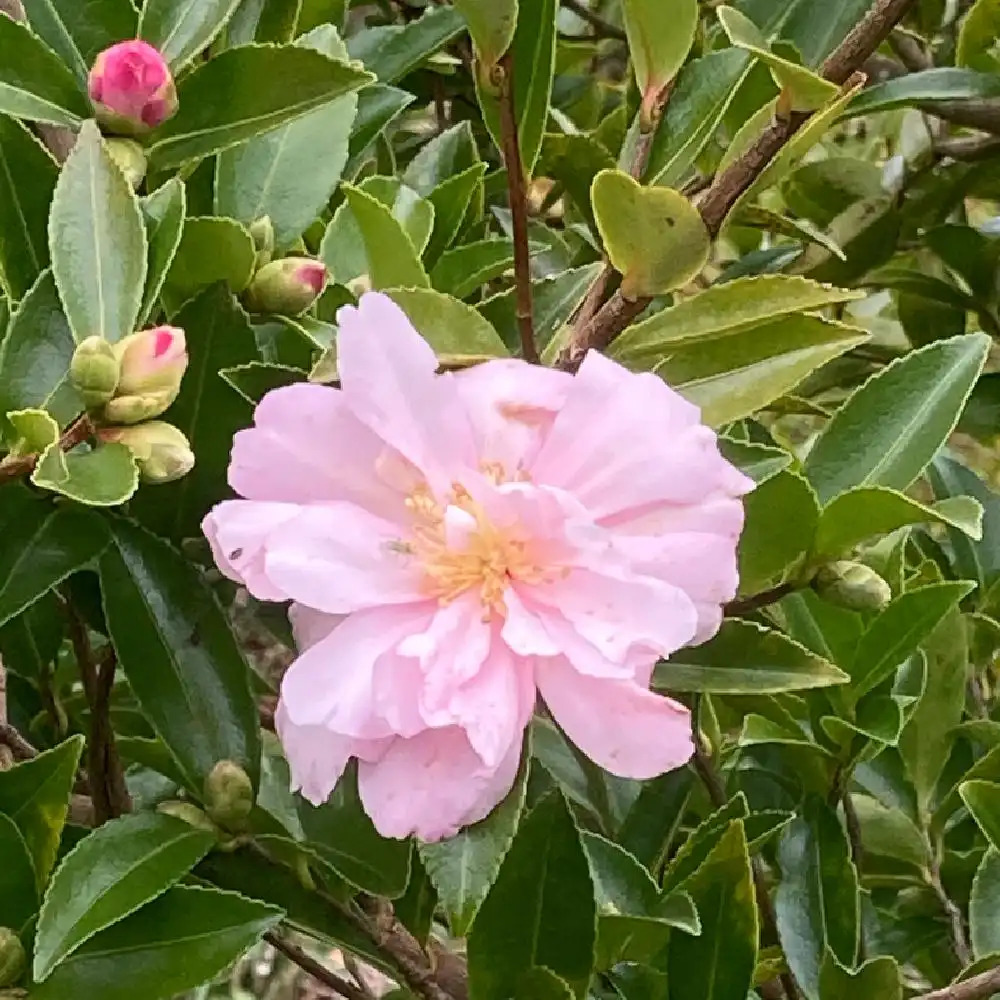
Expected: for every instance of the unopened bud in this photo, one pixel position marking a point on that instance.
(853, 586)
(160, 450)
(262, 234)
(94, 371)
(131, 88)
(228, 795)
(130, 157)
(13, 959)
(152, 364)
(288, 286)
(189, 813)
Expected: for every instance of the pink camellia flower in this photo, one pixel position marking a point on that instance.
(131, 88)
(455, 545)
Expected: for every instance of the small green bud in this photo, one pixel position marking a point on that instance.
(288, 286)
(228, 795)
(160, 450)
(130, 157)
(94, 371)
(262, 233)
(13, 959)
(189, 813)
(852, 585)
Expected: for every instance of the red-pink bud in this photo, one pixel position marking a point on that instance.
(288, 286)
(131, 88)
(151, 359)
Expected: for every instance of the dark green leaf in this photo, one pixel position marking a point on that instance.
(464, 270)
(876, 978)
(655, 817)
(452, 200)
(693, 852)
(758, 461)
(110, 874)
(179, 655)
(540, 911)
(30, 642)
(257, 378)
(18, 891)
(982, 799)
(378, 105)
(984, 905)
(943, 84)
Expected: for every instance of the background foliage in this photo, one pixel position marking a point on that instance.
(788, 210)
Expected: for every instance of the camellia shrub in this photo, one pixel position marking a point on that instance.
(495, 500)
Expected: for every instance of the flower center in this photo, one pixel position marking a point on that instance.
(460, 549)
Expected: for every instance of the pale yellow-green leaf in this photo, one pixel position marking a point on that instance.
(35, 430)
(660, 35)
(491, 24)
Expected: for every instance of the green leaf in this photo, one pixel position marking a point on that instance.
(857, 515)
(342, 833)
(111, 873)
(30, 642)
(705, 89)
(392, 51)
(814, 27)
(452, 200)
(163, 212)
(265, 176)
(892, 427)
(181, 29)
(977, 38)
(35, 795)
(781, 519)
(652, 822)
(257, 378)
(984, 905)
(746, 658)
(105, 476)
(491, 24)
(175, 943)
(393, 260)
(378, 106)
(982, 799)
(926, 87)
(899, 630)
(266, 86)
(757, 461)
(464, 867)
(18, 892)
(660, 35)
(654, 236)
(455, 330)
(208, 412)
(34, 431)
(719, 964)
(532, 55)
(27, 180)
(699, 845)
(878, 977)
(179, 654)
(890, 833)
(464, 270)
(78, 32)
(816, 903)
(97, 241)
(36, 354)
(42, 546)
(541, 984)
(540, 911)
(34, 82)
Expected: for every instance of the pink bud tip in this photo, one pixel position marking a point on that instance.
(163, 340)
(131, 86)
(313, 274)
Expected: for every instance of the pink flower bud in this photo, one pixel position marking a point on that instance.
(131, 88)
(288, 286)
(151, 360)
(161, 451)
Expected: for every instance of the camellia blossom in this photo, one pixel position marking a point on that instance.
(456, 545)
(131, 87)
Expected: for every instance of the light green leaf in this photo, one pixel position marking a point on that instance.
(34, 431)
(660, 35)
(654, 236)
(453, 200)
(455, 330)
(35, 795)
(746, 658)
(464, 270)
(97, 241)
(268, 86)
(982, 799)
(34, 82)
(892, 427)
(181, 29)
(984, 901)
(163, 211)
(27, 180)
(890, 833)
(105, 476)
(179, 654)
(492, 24)
(173, 944)
(110, 874)
(978, 37)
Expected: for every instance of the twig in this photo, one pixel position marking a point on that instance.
(518, 209)
(968, 148)
(727, 187)
(7, 757)
(11, 741)
(960, 941)
(20, 466)
(318, 971)
(602, 28)
(977, 988)
(747, 605)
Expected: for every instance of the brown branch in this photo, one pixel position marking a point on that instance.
(747, 605)
(977, 988)
(317, 970)
(602, 28)
(727, 187)
(18, 748)
(7, 755)
(524, 309)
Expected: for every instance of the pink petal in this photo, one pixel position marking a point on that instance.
(433, 785)
(622, 727)
(238, 532)
(305, 446)
(387, 373)
(309, 626)
(339, 558)
(331, 683)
